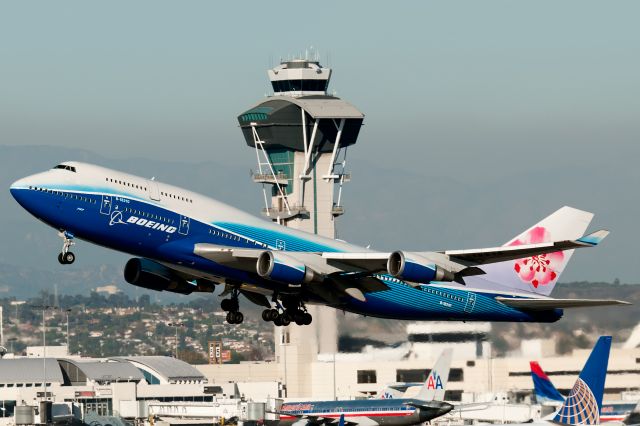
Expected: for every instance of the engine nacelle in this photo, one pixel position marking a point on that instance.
(278, 266)
(154, 276)
(413, 267)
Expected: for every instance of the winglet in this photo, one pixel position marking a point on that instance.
(594, 238)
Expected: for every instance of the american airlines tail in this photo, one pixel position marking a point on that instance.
(537, 274)
(584, 402)
(435, 386)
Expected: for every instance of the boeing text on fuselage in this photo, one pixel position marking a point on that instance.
(185, 242)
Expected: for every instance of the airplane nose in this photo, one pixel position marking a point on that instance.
(16, 188)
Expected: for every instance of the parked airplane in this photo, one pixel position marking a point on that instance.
(583, 405)
(547, 394)
(435, 389)
(185, 242)
(425, 406)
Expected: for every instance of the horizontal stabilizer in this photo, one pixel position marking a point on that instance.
(547, 304)
(504, 253)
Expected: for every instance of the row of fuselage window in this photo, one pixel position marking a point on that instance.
(427, 289)
(352, 410)
(144, 188)
(64, 194)
(20, 385)
(217, 233)
(156, 217)
(444, 294)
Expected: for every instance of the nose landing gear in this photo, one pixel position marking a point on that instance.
(66, 257)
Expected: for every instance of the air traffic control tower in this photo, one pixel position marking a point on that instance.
(300, 135)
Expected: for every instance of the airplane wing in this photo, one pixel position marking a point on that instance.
(335, 275)
(360, 421)
(547, 304)
(334, 284)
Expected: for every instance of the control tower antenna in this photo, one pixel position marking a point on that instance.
(300, 135)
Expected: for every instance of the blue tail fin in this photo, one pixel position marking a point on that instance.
(584, 402)
(546, 392)
(341, 422)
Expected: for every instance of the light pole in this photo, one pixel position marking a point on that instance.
(66, 311)
(17, 303)
(44, 346)
(176, 325)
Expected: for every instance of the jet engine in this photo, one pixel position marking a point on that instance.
(413, 267)
(277, 266)
(154, 276)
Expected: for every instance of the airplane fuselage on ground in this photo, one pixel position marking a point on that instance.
(165, 224)
(367, 412)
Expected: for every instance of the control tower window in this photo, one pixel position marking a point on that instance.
(299, 85)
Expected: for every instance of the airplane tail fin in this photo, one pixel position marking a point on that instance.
(545, 391)
(436, 383)
(584, 402)
(539, 274)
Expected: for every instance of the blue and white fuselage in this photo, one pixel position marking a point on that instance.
(165, 223)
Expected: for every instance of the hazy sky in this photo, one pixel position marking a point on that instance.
(478, 92)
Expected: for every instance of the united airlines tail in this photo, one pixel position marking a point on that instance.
(545, 391)
(538, 274)
(584, 402)
(435, 385)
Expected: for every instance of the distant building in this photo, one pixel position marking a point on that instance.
(108, 289)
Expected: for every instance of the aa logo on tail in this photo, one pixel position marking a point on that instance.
(434, 382)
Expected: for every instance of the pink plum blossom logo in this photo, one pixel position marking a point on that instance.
(541, 269)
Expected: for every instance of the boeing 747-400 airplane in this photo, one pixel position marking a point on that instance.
(184, 242)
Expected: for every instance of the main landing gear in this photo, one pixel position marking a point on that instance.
(291, 310)
(66, 257)
(232, 306)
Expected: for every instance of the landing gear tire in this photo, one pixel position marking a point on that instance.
(285, 318)
(273, 314)
(302, 318)
(298, 317)
(269, 314)
(235, 317)
(278, 321)
(266, 315)
(66, 258)
(69, 257)
(229, 305)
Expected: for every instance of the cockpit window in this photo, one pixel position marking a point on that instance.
(65, 167)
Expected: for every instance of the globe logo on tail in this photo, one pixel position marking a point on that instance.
(580, 407)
